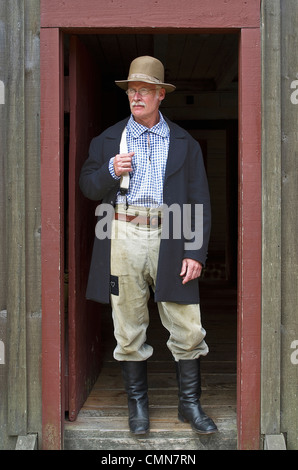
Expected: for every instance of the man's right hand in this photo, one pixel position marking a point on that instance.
(122, 163)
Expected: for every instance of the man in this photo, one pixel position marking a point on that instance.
(139, 168)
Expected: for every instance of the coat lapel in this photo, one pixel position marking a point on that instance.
(177, 154)
(113, 137)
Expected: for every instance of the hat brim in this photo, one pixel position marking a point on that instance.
(124, 84)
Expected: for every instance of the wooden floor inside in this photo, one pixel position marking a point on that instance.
(102, 422)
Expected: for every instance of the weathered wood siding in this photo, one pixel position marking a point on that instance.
(20, 232)
(20, 303)
(289, 221)
(271, 218)
(279, 411)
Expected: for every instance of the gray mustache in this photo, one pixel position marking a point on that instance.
(138, 103)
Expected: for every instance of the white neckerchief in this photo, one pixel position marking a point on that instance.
(124, 181)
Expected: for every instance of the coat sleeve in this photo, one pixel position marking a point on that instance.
(95, 178)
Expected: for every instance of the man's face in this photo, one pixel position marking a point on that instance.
(145, 108)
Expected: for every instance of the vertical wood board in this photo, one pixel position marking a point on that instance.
(249, 244)
(32, 214)
(15, 223)
(289, 223)
(271, 218)
(4, 444)
(52, 238)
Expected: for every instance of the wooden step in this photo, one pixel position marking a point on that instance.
(102, 423)
(113, 434)
(106, 428)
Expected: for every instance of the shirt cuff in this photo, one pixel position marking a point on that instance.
(111, 169)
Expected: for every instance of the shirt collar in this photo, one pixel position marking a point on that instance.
(136, 129)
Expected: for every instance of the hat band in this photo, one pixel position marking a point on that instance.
(142, 76)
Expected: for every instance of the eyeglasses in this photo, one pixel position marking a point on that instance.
(141, 91)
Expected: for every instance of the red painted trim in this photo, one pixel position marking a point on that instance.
(145, 14)
(52, 239)
(219, 15)
(250, 226)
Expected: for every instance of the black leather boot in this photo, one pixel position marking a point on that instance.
(135, 381)
(189, 408)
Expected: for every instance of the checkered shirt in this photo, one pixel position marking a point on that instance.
(148, 163)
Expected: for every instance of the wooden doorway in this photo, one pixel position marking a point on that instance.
(104, 413)
(249, 216)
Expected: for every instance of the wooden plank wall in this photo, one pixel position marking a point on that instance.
(289, 221)
(279, 413)
(20, 302)
(3, 283)
(271, 218)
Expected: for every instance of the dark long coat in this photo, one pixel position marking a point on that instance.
(185, 182)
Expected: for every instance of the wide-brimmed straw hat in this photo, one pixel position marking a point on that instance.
(148, 70)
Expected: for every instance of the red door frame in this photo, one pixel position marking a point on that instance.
(81, 15)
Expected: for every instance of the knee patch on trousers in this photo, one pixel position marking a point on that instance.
(114, 285)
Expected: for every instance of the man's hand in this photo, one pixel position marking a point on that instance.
(190, 270)
(122, 163)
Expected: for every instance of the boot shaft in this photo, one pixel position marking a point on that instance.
(134, 375)
(188, 373)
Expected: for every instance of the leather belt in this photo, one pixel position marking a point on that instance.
(152, 221)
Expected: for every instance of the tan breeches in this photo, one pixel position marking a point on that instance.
(134, 259)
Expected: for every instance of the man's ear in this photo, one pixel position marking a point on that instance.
(162, 94)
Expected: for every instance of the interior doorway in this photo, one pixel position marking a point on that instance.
(205, 69)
